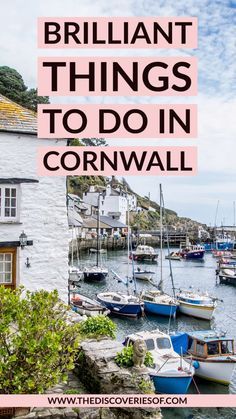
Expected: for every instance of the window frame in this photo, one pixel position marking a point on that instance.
(13, 251)
(3, 217)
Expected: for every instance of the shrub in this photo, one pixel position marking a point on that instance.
(97, 327)
(125, 358)
(37, 345)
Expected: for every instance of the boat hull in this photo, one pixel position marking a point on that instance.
(219, 372)
(194, 255)
(143, 276)
(160, 309)
(84, 312)
(95, 276)
(195, 310)
(134, 310)
(227, 279)
(171, 385)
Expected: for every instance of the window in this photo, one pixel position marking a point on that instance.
(150, 344)
(226, 347)
(200, 348)
(9, 198)
(8, 267)
(213, 348)
(163, 343)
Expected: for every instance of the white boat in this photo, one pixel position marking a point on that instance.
(143, 274)
(171, 373)
(196, 304)
(102, 251)
(144, 253)
(86, 306)
(173, 256)
(213, 355)
(75, 273)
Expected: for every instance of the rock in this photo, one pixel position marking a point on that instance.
(46, 414)
(100, 374)
(85, 413)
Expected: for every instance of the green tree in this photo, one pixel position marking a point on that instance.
(37, 345)
(13, 87)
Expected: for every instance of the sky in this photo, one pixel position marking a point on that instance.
(194, 197)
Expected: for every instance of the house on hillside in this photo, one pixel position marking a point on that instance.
(113, 202)
(34, 237)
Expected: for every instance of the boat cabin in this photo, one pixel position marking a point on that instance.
(204, 345)
(155, 341)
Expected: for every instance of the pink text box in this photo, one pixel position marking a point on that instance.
(123, 29)
(159, 122)
(107, 161)
(151, 75)
(120, 400)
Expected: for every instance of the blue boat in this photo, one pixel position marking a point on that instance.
(171, 385)
(158, 303)
(121, 304)
(193, 252)
(171, 373)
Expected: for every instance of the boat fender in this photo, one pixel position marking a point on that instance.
(196, 365)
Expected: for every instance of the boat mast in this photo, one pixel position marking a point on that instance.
(161, 238)
(98, 228)
(168, 249)
(72, 246)
(234, 213)
(128, 241)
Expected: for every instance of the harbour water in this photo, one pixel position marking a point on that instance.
(198, 274)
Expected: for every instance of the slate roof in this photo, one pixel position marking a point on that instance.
(14, 118)
(111, 222)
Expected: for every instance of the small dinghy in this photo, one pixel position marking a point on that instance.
(86, 306)
(173, 256)
(143, 274)
(101, 251)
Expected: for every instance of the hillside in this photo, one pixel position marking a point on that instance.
(146, 220)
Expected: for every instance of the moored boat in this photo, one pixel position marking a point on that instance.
(86, 306)
(144, 253)
(95, 273)
(121, 304)
(143, 274)
(171, 373)
(75, 274)
(158, 303)
(196, 304)
(173, 256)
(212, 352)
(192, 252)
(227, 276)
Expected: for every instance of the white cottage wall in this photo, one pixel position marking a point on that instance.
(43, 215)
